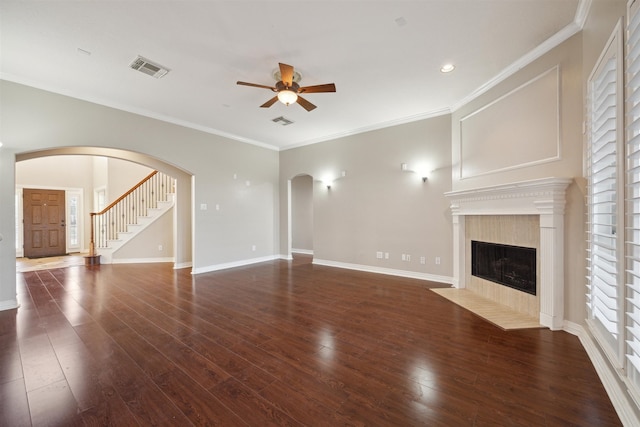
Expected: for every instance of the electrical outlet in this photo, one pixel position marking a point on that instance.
(403, 257)
(408, 258)
(159, 247)
(203, 206)
(423, 260)
(437, 260)
(253, 248)
(386, 255)
(379, 255)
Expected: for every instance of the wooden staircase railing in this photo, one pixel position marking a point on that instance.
(126, 209)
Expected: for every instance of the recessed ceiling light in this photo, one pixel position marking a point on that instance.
(447, 68)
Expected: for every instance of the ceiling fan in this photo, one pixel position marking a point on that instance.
(288, 90)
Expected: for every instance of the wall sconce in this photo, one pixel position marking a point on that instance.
(330, 178)
(422, 172)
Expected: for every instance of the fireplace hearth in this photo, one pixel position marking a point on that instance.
(544, 198)
(512, 266)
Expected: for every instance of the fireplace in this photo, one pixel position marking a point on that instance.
(512, 266)
(543, 199)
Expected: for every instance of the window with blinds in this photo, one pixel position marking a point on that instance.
(605, 296)
(632, 199)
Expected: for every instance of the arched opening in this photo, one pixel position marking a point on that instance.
(301, 215)
(181, 233)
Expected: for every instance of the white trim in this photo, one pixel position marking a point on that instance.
(613, 381)
(180, 265)
(141, 260)
(19, 223)
(285, 257)
(9, 304)
(302, 251)
(233, 264)
(558, 154)
(371, 127)
(543, 197)
(389, 271)
(551, 43)
(134, 110)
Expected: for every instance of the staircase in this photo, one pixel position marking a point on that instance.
(129, 214)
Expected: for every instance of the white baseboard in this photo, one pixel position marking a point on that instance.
(180, 265)
(140, 260)
(9, 304)
(302, 251)
(233, 264)
(285, 257)
(613, 383)
(389, 271)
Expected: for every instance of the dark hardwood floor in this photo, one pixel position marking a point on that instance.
(278, 343)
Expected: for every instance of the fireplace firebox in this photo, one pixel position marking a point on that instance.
(512, 266)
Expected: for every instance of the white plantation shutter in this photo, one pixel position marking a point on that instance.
(632, 199)
(605, 297)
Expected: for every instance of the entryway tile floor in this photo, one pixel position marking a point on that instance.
(26, 264)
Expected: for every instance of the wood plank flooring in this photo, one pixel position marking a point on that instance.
(277, 343)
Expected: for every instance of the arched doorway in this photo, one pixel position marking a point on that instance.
(182, 230)
(301, 215)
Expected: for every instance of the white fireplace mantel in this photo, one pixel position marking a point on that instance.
(543, 197)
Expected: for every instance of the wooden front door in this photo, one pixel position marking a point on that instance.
(44, 223)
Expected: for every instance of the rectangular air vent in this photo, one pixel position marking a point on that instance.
(149, 67)
(282, 121)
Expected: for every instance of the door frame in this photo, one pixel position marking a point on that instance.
(68, 191)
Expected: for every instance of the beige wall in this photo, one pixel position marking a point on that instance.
(558, 145)
(146, 245)
(302, 213)
(122, 175)
(573, 61)
(241, 178)
(376, 206)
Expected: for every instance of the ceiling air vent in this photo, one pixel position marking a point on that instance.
(149, 67)
(282, 121)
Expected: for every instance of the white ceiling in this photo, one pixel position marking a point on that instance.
(383, 56)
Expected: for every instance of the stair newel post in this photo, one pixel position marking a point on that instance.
(92, 243)
(93, 258)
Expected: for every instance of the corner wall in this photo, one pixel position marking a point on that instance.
(377, 207)
(241, 178)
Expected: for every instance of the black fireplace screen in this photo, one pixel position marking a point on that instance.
(512, 266)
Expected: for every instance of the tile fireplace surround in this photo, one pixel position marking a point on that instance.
(542, 197)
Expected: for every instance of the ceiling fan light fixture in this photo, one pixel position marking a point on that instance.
(287, 96)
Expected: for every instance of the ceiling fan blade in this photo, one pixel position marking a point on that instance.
(270, 102)
(305, 104)
(329, 87)
(256, 85)
(286, 72)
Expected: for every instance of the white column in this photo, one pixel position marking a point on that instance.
(459, 252)
(551, 280)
